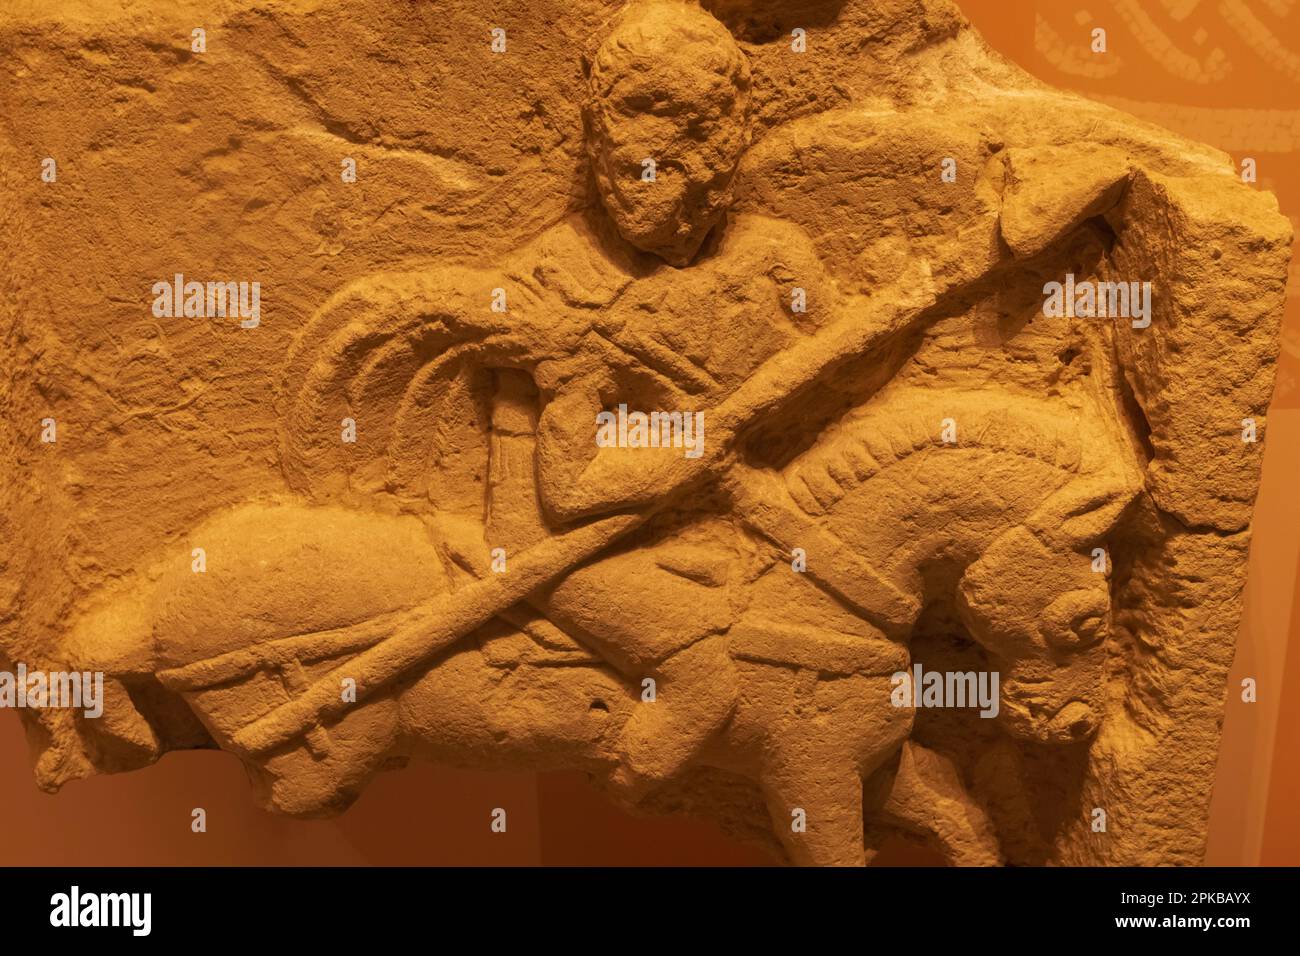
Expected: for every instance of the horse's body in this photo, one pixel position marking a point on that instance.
(812, 714)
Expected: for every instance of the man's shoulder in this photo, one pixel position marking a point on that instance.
(751, 236)
(571, 261)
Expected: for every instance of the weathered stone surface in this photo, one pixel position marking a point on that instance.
(380, 519)
(1053, 189)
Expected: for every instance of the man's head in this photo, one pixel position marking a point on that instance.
(667, 121)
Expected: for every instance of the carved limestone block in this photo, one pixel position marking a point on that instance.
(788, 414)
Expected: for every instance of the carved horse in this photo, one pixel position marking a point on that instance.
(1001, 523)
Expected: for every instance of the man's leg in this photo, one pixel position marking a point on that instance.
(694, 695)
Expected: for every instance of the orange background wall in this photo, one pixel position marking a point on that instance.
(1200, 67)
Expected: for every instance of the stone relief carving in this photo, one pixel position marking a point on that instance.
(874, 455)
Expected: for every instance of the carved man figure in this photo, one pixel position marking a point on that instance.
(903, 458)
(597, 325)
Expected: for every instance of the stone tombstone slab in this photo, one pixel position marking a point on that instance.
(789, 414)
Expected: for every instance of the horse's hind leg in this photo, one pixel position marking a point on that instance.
(925, 795)
(322, 776)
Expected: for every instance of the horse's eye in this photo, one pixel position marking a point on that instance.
(1076, 620)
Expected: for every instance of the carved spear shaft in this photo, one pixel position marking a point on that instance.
(450, 618)
(433, 629)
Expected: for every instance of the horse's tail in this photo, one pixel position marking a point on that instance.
(376, 393)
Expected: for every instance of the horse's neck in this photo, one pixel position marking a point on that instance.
(923, 512)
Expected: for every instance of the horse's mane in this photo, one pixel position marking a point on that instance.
(900, 424)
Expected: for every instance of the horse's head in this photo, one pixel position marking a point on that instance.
(1039, 601)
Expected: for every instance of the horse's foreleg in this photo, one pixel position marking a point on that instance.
(811, 776)
(925, 795)
(826, 737)
(816, 810)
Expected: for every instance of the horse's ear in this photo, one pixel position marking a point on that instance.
(1082, 512)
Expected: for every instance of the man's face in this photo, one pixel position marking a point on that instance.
(665, 133)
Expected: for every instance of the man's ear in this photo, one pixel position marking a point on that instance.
(1084, 511)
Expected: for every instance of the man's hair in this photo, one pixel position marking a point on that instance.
(667, 34)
